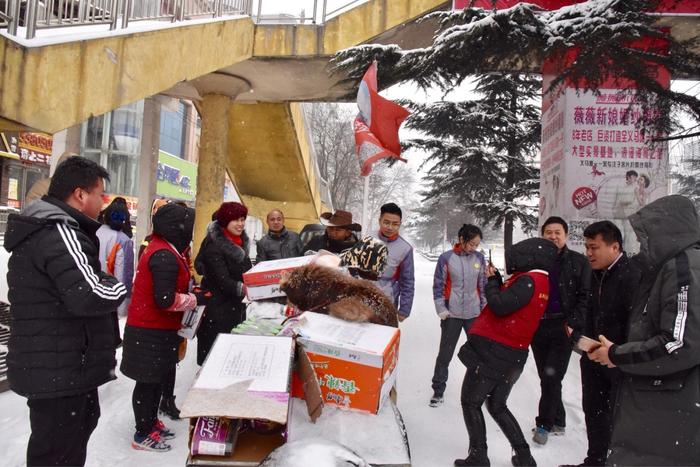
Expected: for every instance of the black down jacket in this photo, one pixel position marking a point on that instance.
(657, 419)
(278, 245)
(63, 307)
(222, 263)
(151, 353)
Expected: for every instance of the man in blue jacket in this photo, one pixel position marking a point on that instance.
(397, 280)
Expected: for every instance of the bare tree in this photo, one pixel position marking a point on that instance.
(334, 142)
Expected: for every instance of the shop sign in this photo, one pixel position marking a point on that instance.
(176, 178)
(29, 147)
(132, 203)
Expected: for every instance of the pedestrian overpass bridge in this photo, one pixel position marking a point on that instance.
(246, 78)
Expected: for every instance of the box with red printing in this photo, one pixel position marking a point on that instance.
(355, 363)
(270, 272)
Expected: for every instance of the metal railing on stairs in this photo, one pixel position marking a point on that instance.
(28, 16)
(39, 14)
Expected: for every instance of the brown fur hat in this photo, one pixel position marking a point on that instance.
(329, 291)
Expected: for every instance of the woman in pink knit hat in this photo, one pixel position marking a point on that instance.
(222, 260)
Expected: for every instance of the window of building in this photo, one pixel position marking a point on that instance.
(113, 140)
(172, 129)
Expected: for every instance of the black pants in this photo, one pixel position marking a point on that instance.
(552, 352)
(450, 329)
(478, 389)
(599, 389)
(145, 401)
(168, 386)
(61, 428)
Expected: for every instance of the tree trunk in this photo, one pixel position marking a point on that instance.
(510, 181)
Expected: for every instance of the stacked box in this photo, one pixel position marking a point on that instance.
(262, 281)
(355, 363)
(243, 378)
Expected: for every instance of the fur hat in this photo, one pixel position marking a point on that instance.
(230, 211)
(368, 256)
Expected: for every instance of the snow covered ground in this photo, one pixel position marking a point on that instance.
(437, 435)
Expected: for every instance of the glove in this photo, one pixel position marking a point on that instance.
(203, 296)
(183, 302)
(444, 314)
(242, 290)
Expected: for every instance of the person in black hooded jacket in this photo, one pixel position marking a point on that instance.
(64, 323)
(160, 297)
(657, 415)
(497, 346)
(222, 260)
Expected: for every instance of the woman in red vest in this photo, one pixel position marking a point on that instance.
(497, 346)
(160, 296)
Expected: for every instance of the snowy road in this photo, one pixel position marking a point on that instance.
(437, 435)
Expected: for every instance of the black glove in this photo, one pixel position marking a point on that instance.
(203, 296)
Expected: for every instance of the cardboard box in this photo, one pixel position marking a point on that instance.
(270, 272)
(244, 377)
(261, 292)
(355, 363)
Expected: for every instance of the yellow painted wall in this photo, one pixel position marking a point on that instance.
(57, 86)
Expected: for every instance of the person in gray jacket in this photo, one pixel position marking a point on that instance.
(458, 292)
(657, 420)
(397, 281)
(279, 242)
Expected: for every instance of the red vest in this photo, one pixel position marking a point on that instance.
(516, 329)
(143, 311)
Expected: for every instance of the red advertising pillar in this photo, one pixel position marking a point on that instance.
(596, 161)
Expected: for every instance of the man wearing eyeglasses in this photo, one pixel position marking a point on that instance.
(397, 280)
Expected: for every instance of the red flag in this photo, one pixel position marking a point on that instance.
(377, 125)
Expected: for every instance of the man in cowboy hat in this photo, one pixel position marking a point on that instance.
(339, 234)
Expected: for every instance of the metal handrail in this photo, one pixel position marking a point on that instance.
(319, 13)
(45, 14)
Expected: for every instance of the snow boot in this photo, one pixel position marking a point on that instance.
(436, 400)
(523, 458)
(150, 442)
(476, 457)
(165, 433)
(168, 408)
(557, 430)
(540, 435)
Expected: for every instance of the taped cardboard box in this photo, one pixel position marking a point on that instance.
(270, 272)
(355, 363)
(261, 292)
(245, 377)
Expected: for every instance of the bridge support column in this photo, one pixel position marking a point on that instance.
(213, 152)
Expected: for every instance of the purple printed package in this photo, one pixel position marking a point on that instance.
(214, 436)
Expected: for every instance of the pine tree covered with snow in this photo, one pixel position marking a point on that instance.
(475, 40)
(482, 151)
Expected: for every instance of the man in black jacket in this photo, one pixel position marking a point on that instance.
(338, 236)
(613, 286)
(569, 287)
(279, 242)
(64, 334)
(657, 417)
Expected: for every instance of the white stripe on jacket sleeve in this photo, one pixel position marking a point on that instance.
(73, 245)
